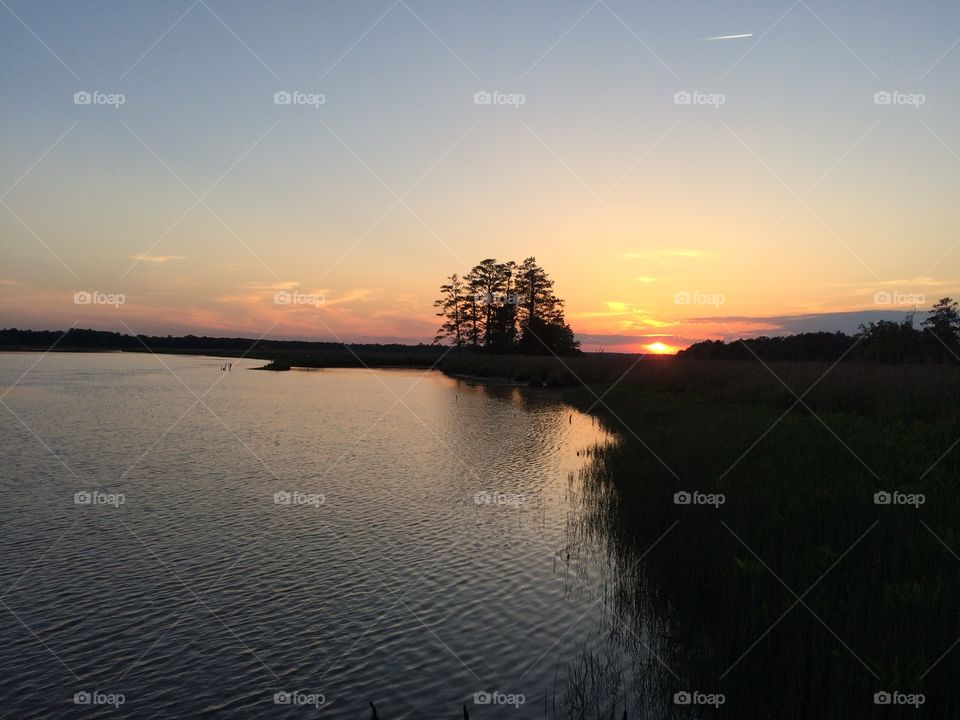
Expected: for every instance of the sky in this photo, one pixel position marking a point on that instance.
(677, 183)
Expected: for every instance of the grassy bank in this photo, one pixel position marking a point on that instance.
(717, 598)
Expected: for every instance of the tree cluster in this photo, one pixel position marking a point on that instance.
(886, 341)
(503, 308)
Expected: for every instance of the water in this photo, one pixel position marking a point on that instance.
(190, 590)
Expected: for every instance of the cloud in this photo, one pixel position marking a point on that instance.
(730, 37)
(156, 258)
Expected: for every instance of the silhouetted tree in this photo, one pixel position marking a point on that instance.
(452, 307)
(943, 327)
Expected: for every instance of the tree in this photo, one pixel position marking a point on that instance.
(943, 326)
(451, 304)
(503, 308)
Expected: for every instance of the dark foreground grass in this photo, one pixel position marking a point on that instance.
(799, 597)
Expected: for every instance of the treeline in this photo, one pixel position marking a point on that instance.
(937, 339)
(504, 308)
(106, 340)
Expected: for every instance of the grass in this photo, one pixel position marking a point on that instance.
(879, 589)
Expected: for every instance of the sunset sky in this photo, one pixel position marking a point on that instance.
(786, 195)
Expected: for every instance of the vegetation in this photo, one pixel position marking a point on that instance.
(504, 308)
(936, 340)
(800, 596)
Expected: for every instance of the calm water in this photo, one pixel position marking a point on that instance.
(202, 595)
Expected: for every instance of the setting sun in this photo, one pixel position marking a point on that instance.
(659, 348)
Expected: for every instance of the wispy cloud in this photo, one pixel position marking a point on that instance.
(156, 258)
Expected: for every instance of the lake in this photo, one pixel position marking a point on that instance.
(180, 541)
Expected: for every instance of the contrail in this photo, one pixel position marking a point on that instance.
(730, 37)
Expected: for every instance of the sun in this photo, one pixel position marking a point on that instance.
(659, 348)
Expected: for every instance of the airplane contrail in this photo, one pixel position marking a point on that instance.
(730, 37)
